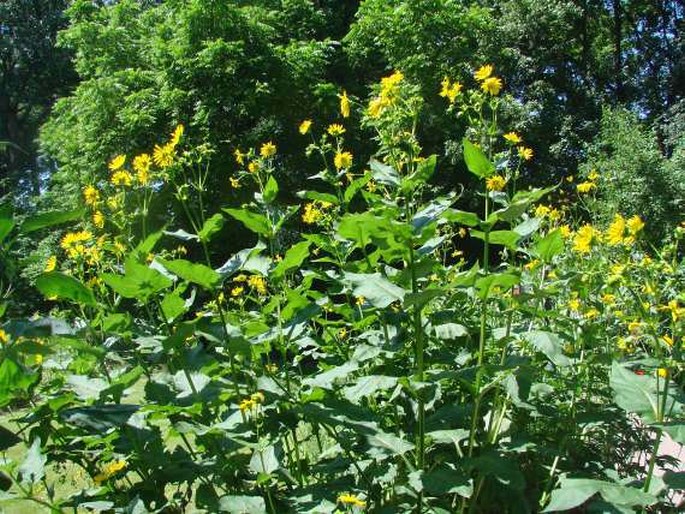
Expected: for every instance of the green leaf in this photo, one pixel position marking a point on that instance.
(444, 480)
(196, 273)
(463, 217)
(270, 190)
(384, 174)
(32, 469)
(318, 196)
(424, 171)
(59, 285)
(252, 220)
(242, 504)
(210, 227)
(50, 219)
(574, 492)
(6, 226)
(634, 393)
(7, 439)
(367, 386)
(507, 238)
(140, 282)
(548, 344)
(362, 227)
(173, 306)
(292, 259)
(390, 443)
(264, 460)
(375, 288)
(476, 161)
(355, 187)
(549, 246)
(495, 280)
(450, 331)
(14, 379)
(675, 480)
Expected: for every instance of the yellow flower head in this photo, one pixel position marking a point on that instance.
(91, 195)
(50, 264)
(492, 85)
(257, 283)
(247, 404)
(237, 291)
(239, 156)
(344, 105)
(311, 214)
(541, 211)
(593, 176)
(4, 338)
(585, 187)
(390, 83)
(662, 372)
(375, 107)
(177, 134)
(513, 138)
(616, 230)
(495, 183)
(582, 242)
(342, 160)
(351, 499)
(525, 153)
(253, 167)
(335, 129)
(565, 231)
(305, 126)
(483, 72)
(235, 183)
(109, 470)
(267, 150)
(117, 162)
(450, 90)
(635, 225)
(98, 219)
(164, 155)
(122, 178)
(141, 165)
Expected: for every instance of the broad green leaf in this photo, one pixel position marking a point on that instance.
(252, 220)
(85, 387)
(674, 429)
(574, 492)
(50, 219)
(527, 227)
(476, 161)
(173, 306)
(444, 480)
(431, 212)
(32, 469)
(355, 187)
(99, 418)
(14, 379)
(7, 439)
(548, 344)
(140, 282)
(330, 378)
(450, 331)
(264, 460)
(634, 393)
(375, 288)
(362, 227)
(210, 227)
(675, 480)
(318, 196)
(270, 190)
(549, 246)
(495, 280)
(61, 286)
(518, 205)
(384, 174)
(424, 171)
(462, 217)
(507, 238)
(502, 467)
(292, 259)
(368, 385)
(6, 226)
(196, 273)
(390, 443)
(242, 504)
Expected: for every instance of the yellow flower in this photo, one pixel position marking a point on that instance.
(239, 156)
(593, 176)
(662, 372)
(371, 186)
(247, 404)
(616, 229)
(359, 300)
(91, 195)
(311, 214)
(98, 219)
(257, 397)
(591, 314)
(530, 266)
(335, 129)
(50, 264)
(257, 283)
(164, 155)
(177, 134)
(450, 90)
(574, 304)
(676, 312)
(634, 327)
(375, 107)
(117, 162)
(342, 333)
(541, 211)
(240, 278)
(122, 178)
(267, 150)
(635, 225)
(525, 153)
(565, 231)
(585, 187)
(235, 183)
(141, 165)
(583, 239)
(305, 126)
(495, 183)
(483, 72)
(351, 499)
(667, 339)
(4, 338)
(237, 291)
(344, 105)
(390, 84)
(109, 470)
(608, 298)
(492, 85)
(253, 167)
(342, 160)
(74, 243)
(513, 138)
